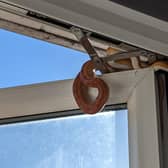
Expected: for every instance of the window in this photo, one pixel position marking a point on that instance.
(25, 60)
(81, 141)
(135, 88)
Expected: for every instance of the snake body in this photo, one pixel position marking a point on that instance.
(85, 79)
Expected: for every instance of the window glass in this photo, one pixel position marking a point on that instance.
(25, 60)
(81, 141)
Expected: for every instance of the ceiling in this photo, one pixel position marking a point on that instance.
(155, 8)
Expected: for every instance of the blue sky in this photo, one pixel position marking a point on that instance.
(25, 60)
(74, 142)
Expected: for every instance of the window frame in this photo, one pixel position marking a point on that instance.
(135, 88)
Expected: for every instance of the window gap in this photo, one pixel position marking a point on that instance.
(25, 60)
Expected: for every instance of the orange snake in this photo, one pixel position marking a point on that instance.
(85, 79)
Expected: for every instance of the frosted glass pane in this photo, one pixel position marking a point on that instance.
(83, 141)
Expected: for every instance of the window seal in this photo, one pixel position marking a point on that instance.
(52, 115)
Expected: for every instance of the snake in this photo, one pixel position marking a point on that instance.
(87, 79)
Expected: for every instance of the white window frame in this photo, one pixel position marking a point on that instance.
(136, 88)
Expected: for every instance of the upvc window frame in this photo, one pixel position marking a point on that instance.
(135, 88)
